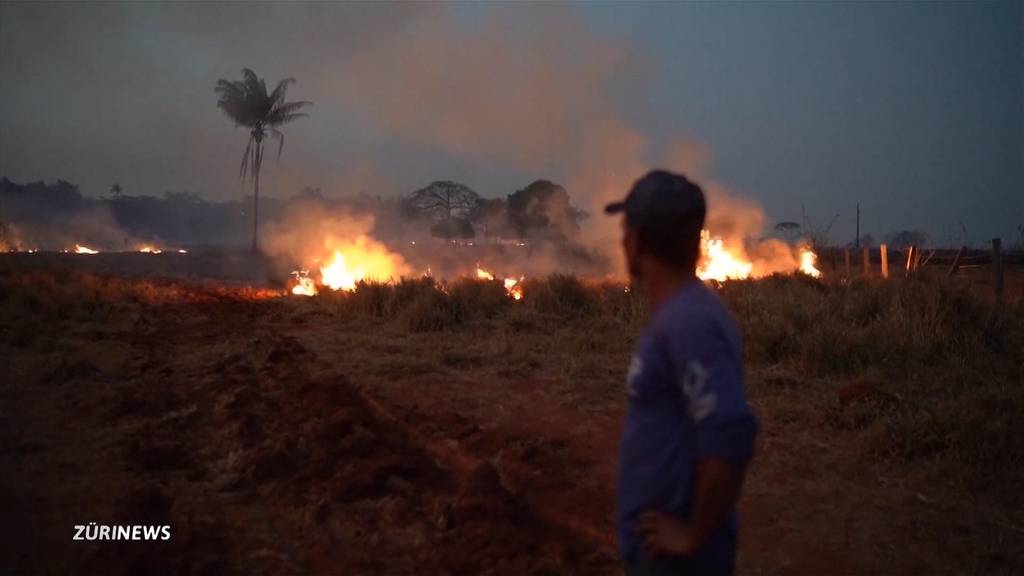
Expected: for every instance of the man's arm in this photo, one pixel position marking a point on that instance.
(718, 489)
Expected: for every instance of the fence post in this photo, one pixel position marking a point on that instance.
(846, 254)
(884, 252)
(956, 262)
(997, 268)
(867, 261)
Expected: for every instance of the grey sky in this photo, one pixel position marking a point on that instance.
(916, 110)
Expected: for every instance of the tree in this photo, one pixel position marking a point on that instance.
(452, 228)
(247, 102)
(791, 230)
(310, 193)
(116, 189)
(905, 238)
(817, 236)
(865, 240)
(449, 204)
(182, 197)
(543, 209)
(444, 200)
(492, 215)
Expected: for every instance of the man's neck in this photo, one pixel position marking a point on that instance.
(665, 284)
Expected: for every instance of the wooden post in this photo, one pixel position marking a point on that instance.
(846, 254)
(956, 262)
(997, 268)
(856, 240)
(910, 259)
(884, 252)
(867, 261)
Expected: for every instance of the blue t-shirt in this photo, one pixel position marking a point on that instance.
(686, 403)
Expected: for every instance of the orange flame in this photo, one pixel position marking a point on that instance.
(807, 260)
(362, 260)
(513, 286)
(147, 249)
(304, 285)
(719, 262)
(79, 249)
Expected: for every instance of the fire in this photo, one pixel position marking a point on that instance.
(807, 260)
(79, 249)
(147, 249)
(513, 286)
(338, 276)
(304, 285)
(720, 263)
(362, 260)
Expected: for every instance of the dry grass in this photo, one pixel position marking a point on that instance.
(954, 363)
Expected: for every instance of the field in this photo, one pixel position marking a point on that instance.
(407, 429)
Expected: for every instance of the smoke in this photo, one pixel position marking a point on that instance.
(37, 216)
(527, 88)
(534, 89)
(524, 87)
(403, 95)
(311, 232)
(739, 221)
(94, 227)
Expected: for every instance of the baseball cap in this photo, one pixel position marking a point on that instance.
(661, 202)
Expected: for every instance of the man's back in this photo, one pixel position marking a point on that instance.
(686, 403)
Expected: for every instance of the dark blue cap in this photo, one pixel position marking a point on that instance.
(662, 201)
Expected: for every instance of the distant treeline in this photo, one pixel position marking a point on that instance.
(41, 215)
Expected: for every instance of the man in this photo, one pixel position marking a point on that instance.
(688, 432)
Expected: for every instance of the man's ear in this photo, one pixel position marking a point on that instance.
(631, 245)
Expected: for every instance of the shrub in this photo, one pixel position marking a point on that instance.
(560, 294)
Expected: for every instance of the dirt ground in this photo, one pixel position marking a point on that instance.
(276, 436)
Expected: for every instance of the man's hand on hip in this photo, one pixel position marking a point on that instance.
(665, 535)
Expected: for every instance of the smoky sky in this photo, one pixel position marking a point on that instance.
(913, 110)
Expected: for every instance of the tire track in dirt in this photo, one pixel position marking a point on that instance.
(304, 475)
(563, 477)
(261, 459)
(468, 465)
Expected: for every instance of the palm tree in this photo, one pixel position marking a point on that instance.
(247, 103)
